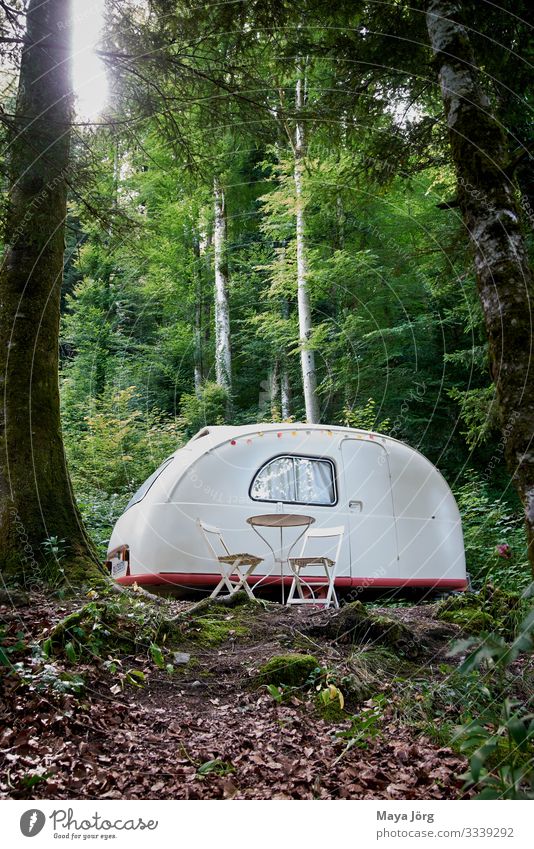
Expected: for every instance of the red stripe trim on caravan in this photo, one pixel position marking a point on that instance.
(198, 579)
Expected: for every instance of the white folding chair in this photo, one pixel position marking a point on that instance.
(320, 547)
(242, 565)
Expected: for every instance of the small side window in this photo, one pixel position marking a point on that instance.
(143, 489)
(297, 480)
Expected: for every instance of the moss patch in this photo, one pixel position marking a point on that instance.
(291, 670)
(354, 624)
(105, 626)
(331, 710)
(218, 623)
(214, 630)
(491, 609)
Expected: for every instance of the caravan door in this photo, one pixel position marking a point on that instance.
(371, 518)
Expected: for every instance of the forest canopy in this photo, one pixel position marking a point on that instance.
(266, 220)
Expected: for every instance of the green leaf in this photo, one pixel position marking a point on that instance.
(275, 692)
(135, 677)
(70, 652)
(157, 655)
(488, 793)
(518, 731)
(217, 766)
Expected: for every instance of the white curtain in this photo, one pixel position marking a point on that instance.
(295, 479)
(276, 481)
(314, 481)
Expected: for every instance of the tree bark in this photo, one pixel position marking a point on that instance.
(285, 393)
(274, 391)
(491, 215)
(36, 500)
(197, 333)
(307, 356)
(285, 386)
(223, 353)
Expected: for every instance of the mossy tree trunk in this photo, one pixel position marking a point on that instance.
(489, 206)
(36, 500)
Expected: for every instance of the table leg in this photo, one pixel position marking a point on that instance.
(282, 565)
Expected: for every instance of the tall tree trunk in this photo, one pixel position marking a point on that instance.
(36, 500)
(307, 356)
(274, 391)
(206, 269)
(285, 386)
(223, 354)
(491, 216)
(197, 333)
(285, 393)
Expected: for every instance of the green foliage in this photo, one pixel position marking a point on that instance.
(276, 693)
(157, 655)
(112, 453)
(500, 741)
(103, 627)
(501, 760)
(331, 702)
(478, 410)
(435, 706)
(494, 536)
(291, 670)
(49, 677)
(365, 726)
(8, 648)
(366, 418)
(215, 767)
(119, 446)
(205, 409)
(52, 570)
(491, 609)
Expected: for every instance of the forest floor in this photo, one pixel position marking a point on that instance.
(183, 714)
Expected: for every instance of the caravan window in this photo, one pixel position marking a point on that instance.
(143, 489)
(297, 480)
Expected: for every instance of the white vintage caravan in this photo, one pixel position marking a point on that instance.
(401, 522)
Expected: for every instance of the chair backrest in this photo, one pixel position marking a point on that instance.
(214, 539)
(323, 542)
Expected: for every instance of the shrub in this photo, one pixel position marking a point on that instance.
(117, 449)
(494, 537)
(206, 408)
(492, 609)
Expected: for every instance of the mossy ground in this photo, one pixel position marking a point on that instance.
(214, 630)
(221, 623)
(290, 670)
(491, 609)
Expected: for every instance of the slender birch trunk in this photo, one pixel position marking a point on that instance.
(197, 332)
(285, 393)
(492, 218)
(307, 356)
(285, 387)
(36, 500)
(223, 354)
